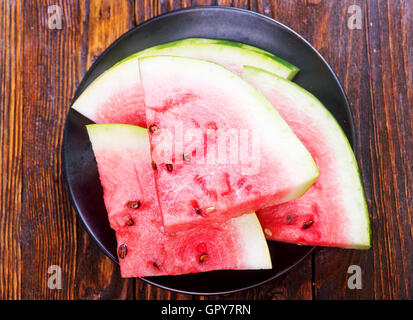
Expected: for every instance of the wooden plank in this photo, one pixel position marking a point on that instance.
(54, 63)
(244, 4)
(102, 22)
(195, 3)
(390, 42)
(373, 64)
(48, 225)
(106, 21)
(11, 113)
(146, 9)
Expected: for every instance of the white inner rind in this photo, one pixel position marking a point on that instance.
(255, 248)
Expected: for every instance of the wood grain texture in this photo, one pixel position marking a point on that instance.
(102, 22)
(11, 114)
(48, 224)
(54, 63)
(346, 52)
(40, 69)
(391, 153)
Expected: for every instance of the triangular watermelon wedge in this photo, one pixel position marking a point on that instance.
(116, 95)
(333, 212)
(192, 106)
(123, 157)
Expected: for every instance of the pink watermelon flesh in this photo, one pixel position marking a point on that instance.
(188, 94)
(333, 211)
(123, 158)
(124, 106)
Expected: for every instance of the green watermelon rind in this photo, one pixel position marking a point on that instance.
(279, 66)
(317, 103)
(124, 70)
(107, 130)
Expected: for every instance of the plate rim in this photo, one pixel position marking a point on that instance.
(125, 35)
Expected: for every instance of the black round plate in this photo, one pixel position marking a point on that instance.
(207, 22)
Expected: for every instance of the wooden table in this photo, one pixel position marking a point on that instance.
(40, 69)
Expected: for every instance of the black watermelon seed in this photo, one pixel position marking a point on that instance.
(169, 167)
(154, 166)
(197, 211)
(122, 251)
(307, 224)
(134, 204)
(155, 265)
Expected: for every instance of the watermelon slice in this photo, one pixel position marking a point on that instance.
(116, 95)
(144, 249)
(192, 106)
(333, 212)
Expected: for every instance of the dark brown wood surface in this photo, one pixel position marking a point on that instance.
(40, 69)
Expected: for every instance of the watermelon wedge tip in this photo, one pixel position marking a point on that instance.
(114, 97)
